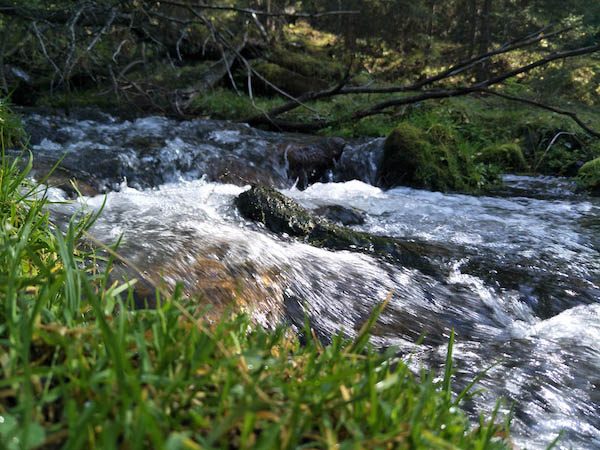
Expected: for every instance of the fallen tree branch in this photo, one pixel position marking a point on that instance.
(45, 53)
(259, 12)
(381, 108)
(540, 63)
(427, 95)
(563, 112)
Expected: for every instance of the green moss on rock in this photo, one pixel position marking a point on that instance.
(277, 212)
(287, 80)
(434, 159)
(307, 64)
(589, 176)
(402, 152)
(507, 155)
(281, 214)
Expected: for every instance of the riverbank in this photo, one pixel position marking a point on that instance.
(83, 370)
(471, 135)
(480, 137)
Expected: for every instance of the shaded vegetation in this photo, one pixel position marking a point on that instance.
(434, 159)
(306, 66)
(507, 156)
(589, 176)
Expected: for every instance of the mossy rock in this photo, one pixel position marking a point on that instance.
(307, 64)
(431, 160)
(507, 155)
(287, 80)
(277, 212)
(402, 151)
(341, 214)
(589, 176)
(281, 214)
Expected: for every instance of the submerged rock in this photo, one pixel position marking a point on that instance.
(241, 173)
(217, 286)
(341, 214)
(70, 180)
(281, 214)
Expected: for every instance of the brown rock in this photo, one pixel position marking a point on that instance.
(309, 162)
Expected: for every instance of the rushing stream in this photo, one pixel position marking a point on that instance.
(520, 270)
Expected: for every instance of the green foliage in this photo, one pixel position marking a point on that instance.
(573, 80)
(309, 64)
(225, 104)
(508, 156)
(432, 154)
(80, 369)
(553, 144)
(11, 128)
(376, 126)
(490, 124)
(589, 176)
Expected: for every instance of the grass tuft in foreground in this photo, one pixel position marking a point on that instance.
(80, 370)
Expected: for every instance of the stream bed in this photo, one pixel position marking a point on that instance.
(519, 270)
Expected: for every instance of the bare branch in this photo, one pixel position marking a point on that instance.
(118, 50)
(570, 114)
(561, 133)
(73, 46)
(540, 63)
(263, 13)
(112, 17)
(181, 36)
(378, 108)
(128, 67)
(260, 27)
(44, 52)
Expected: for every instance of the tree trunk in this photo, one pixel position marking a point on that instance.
(484, 39)
(430, 28)
(472, 17)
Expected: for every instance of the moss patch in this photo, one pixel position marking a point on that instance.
(287, 80)
(589, 176)
(225, 104)
(508, 156)
(435, 159)
(317, 65)
(79, 98)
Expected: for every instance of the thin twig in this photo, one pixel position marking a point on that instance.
(570, 114)
(549, 147)
(45, 53)
(258, 12)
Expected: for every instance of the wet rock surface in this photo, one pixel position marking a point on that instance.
(310, 162)
(342, 215)
(150, 151)
(281, 214)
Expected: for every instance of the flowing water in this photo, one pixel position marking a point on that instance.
(520, 269)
